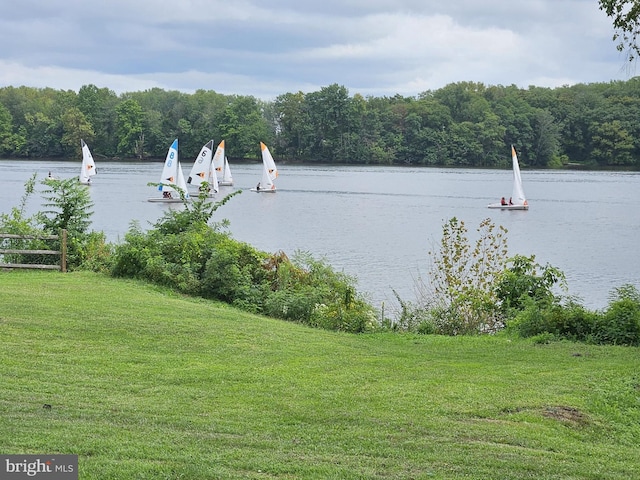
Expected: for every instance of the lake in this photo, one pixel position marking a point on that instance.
(379, 223)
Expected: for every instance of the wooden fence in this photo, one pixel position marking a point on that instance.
(62, 252)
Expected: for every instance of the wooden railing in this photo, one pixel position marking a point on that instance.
(62, 252)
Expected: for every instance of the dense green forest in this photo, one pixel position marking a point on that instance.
(462, 124)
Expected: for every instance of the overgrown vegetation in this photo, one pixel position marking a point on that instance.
(480, 290)
(185, 252)
(67, 206)
(472, 289)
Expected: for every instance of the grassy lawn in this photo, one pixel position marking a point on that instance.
(144, 383)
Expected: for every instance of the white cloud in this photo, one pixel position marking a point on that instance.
(375, 47)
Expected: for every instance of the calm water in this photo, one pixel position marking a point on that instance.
(378, 223)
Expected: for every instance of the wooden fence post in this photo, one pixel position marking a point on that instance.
(63, 251)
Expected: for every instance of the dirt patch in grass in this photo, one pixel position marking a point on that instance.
(566, 414)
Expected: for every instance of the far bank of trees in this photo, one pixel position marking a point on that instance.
(463, 124)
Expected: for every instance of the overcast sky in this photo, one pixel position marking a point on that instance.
(270, 47)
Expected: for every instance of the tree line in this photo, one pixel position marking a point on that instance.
(464, 124)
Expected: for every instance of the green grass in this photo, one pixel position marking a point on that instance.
(144, 383)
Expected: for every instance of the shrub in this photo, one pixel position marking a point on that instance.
(571, 321)
(620, 322)
(131, 257)
(460, 298)
(235, 273)
(526, 280)
(470, 314)
(292, 304)
(412, 317)
(183, 252)
(68, 207)
(310, 291)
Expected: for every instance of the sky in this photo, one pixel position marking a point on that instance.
(271, 47)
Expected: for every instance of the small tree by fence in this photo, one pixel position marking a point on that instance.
(21, 252)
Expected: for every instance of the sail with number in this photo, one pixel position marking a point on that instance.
(171, 178)
(202, 170)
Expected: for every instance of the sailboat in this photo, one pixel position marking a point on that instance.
(171, 178)
(518, 201)
(202, 170)
(221, 166)
(88, 168)
(269, 172)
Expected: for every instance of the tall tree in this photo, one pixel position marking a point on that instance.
(129, 126)
(75, 127)
(612, 144)
(244, 127)
(98, 106)
(546, 139)
(6, 131)
(626, 22)
(329, 114)
(292, 124)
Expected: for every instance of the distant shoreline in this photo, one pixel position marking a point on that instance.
(249, 161)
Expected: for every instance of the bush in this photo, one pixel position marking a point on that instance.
(310, 291)
(68, 207)
(526, 280)
(131, 257)
(620, 322)
(413, 317)
(235, 273)
(571, 321)
(183, 252)
(471, 314)
(460, 298)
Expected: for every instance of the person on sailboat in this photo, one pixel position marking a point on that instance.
(510, 201)
(258, 186)
(503, 201)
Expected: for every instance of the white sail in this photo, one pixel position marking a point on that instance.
(221, 166)
(269, 172)
(88, 168)
(181, 183)
(202, 170)
(169, 175)
(518, 201)
(172, 178)
(227, 178)
(518, 197)
(213, 181)
(266, 182)
(267, 159)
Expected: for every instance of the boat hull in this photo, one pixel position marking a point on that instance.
(508, 207)
(197, 194)
(164, 200)
(266, 190)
